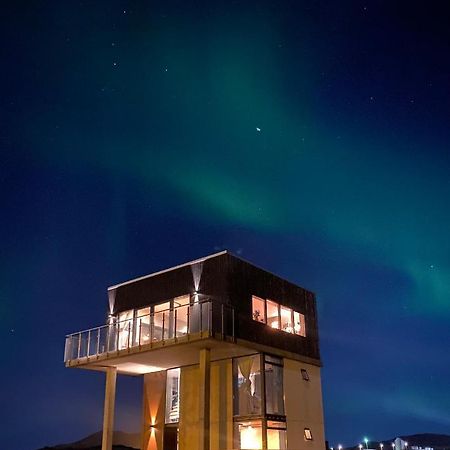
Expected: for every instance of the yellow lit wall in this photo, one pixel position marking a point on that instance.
(221, 431)
(189, 408)
(303, 403)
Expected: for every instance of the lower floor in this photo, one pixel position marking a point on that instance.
(257, 401)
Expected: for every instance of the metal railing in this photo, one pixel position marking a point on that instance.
(170, 324)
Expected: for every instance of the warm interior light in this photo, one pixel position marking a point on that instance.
(250, 437)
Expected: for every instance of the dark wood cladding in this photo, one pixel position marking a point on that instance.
(230, 280)
(245, 280)
(173, 283)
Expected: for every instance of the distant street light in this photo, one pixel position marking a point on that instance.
(339, 447)
(393, 445)
(366, 441)
(406, 445)
(381, 445)
(360, 446)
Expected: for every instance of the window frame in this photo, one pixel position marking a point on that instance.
(307, 434)
(292, 328)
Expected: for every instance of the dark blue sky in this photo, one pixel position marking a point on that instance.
(310, 137)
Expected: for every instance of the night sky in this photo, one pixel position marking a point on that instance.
(309, 137)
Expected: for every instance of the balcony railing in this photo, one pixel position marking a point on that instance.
(168, 325)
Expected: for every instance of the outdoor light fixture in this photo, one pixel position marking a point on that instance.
(360, 446)
(366, 442)
(381, 445)
(393, 445)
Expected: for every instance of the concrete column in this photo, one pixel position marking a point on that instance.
(108, 412)
(204, 397)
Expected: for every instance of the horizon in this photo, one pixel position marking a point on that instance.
(310, 138)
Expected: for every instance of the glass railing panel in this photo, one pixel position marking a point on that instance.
(145, 329)
(181, 320)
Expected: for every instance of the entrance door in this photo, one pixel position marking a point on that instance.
(170, 441)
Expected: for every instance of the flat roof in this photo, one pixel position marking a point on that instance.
(199, 260)
(189, 263)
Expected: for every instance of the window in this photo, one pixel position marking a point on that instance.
(278, 316)
(143, 326)
(276, 435)
(273, 373)
(161, 320)
(308, 434)
(305, 374)
(173, 396)
(181, 312)
(286, 319)
(248, 435)
(273, 316)
(247, 386)
(125, 328)
(299, 324)
(258, 309)
(268, 429)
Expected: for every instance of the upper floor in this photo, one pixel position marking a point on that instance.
(220, 297)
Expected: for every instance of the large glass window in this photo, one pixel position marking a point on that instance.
(247, 386)
(249, 435)
(276, 435)
(181, 311)
(299, 324)
(173, 396)
(161, 321)
(286, 319)
(125, 327)
(278, 316)
(258, 309)
(273, 373)
(273, 315)
(143, 326)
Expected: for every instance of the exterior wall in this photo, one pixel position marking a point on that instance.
(189, 408)
(221, 432)
(226, 279)
(153, 410)
(245, 280)
(303, 403)
(221, 407)
(210, 275)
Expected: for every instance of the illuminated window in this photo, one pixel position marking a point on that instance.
(278, 316)
(181, 311)
(273, 315)
(173, 396)
(248, 435)
(161, 320)
(125, 328)
(308, 434)
(305, 374)
(143, 326)
(299, 324)
(276, 435)
(247, 382)
(286, 319)
(259, 309)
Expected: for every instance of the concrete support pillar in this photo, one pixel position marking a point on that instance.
(108, 412)
(204, 397)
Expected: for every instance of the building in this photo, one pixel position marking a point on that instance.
(229, 354)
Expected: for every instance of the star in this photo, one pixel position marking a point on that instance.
(258, 129)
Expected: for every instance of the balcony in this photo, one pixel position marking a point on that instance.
(188, 323)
